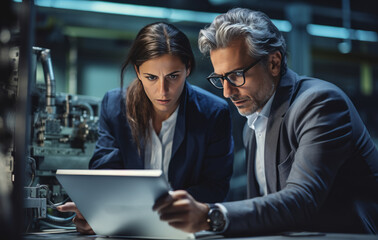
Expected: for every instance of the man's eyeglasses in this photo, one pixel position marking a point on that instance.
(235, 78)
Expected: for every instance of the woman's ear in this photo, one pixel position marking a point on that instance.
(274, 63)
(137, 71)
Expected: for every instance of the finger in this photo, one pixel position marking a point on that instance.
(82, 226)
(177, 206)
(174, 217)
(84, 231)
(67, 207)
(162, 202)
(70, 207)
(169, 199)
(179, 194)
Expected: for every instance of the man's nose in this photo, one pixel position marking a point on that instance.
(228, 89)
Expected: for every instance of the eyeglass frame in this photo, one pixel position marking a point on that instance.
(224, 76)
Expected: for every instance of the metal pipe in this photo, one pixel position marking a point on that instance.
(45, 57)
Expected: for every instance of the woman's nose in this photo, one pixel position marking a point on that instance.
(163, 88)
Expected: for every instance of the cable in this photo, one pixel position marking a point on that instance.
(50, 225)
(54, 205)
(33, 169)
(60, 219)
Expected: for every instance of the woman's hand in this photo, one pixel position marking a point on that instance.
(82, 225)
(181, 211)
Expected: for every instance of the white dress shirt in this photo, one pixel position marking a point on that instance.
(158, 150)
(258, 121)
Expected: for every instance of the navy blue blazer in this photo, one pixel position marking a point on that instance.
(202, 151)
(321, 165)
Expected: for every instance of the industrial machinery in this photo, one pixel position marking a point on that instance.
(64, 132)
(63, 135)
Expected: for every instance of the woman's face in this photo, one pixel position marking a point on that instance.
(163, 79)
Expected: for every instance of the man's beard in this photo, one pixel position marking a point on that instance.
(258, 104)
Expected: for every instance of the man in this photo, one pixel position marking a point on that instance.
(311, 163)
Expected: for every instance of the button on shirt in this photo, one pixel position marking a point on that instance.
(158, 150)
(258, 122)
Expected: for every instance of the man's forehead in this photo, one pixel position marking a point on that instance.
(229, 58)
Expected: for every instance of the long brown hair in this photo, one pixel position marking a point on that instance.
(152, 41)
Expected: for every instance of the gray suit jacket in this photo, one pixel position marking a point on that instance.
(321, 165)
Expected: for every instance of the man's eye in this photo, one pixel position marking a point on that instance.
(238, 74)
(173, 76)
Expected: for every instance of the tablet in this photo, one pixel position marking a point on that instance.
(119, 202)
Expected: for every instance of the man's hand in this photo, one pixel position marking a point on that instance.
(181, 211)
(82, 225)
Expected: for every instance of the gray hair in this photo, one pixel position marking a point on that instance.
(261, 35)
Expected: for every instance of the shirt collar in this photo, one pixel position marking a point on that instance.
(169, 122)
(251, 119)
(266, 109)
(171, 118)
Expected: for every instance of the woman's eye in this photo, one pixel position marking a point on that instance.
(151, 78)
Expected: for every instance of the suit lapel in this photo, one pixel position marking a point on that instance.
(179, 130)
(180, 123)
(252, 186)
(279, 107)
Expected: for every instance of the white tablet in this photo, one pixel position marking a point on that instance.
(119, 202)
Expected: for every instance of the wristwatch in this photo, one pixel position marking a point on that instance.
(216, 218)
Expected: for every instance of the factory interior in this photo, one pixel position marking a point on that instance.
(59, 57)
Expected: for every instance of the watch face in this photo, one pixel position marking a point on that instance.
(217, 220)
(216, 216)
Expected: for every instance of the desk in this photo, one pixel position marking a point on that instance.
(295, 236)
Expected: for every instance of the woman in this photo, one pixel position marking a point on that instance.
(165, 123)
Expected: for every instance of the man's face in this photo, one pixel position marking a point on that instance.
(259, 80)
